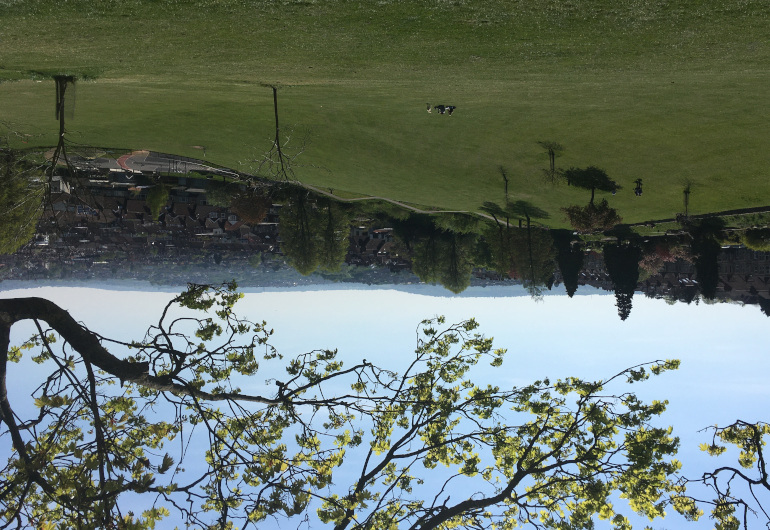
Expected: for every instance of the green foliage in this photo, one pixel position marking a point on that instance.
(157, 198)
(705, 247)
(445, 258)
(622, 263)
(534, 258)
(298, 231)
(498, 249)
(335, 233)
(736, 495)
(757, 239)
(570, 260)
(251, 206)
(593, 217)
(547, 469)
(525, 254)
(549, 453)
(457, 223)
(314, 233)
(256, 259)
(221, 194)
(21, 199)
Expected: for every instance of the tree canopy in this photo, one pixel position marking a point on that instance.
(162, 430)
(157, 199)
(570, 260)
(591, 178)
(705, 247)
(314, 232)
(592, 217)
(622, 261)
(21, 199)
(519, 253)
(444, 257)
(335, 232)
(251, 205)
(298, 229)
(737, 492)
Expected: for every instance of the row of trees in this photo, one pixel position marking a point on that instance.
(26, 175)
(443, 248)
(22, 187)
(127, 433)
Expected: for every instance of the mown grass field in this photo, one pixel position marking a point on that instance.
(663, 91)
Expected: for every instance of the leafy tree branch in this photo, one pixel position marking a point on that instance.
(426, 447)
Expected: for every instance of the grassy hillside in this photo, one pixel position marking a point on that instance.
(667, 92)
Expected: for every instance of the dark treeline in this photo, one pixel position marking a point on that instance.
(276, 224)
(77, 206)
(107, 212)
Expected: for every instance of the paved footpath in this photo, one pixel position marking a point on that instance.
(151, 162)
(123, 160)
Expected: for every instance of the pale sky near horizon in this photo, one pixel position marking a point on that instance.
(723, 349)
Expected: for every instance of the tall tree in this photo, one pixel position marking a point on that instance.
(538, 267)
(570, 260)
(533, 258)
(22, 191)
(498, 239)
(157, 199)
(355, 441)
(23, 180)
(65, 105)
(335, 234)
(298, 228)
(279, 161)
(553, 149)
(622, 261)
(426, 254)
(591, 178)
(443, 257)
(706, 247)
(526, 254)
(314, 231)
(457, 261)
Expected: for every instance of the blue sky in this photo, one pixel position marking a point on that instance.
(723, 349)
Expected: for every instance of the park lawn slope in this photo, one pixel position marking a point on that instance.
(318, 40)
(669, 94)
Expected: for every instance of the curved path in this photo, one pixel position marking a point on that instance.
(123, 160)
(391, 201)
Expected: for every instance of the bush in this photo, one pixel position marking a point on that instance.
(593, 217)
(757, 239)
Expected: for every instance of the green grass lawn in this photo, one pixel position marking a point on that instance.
(666, 92)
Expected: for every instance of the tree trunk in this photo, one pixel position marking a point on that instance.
(278, 132)
(88, 345)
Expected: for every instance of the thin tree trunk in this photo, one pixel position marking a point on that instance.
(278, 132)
